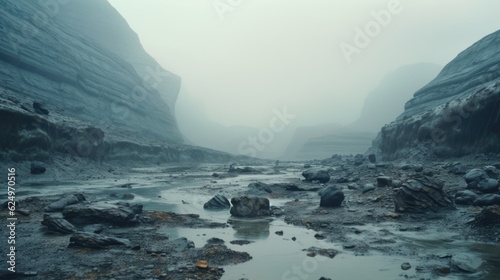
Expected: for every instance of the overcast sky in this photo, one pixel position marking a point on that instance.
(241, 59)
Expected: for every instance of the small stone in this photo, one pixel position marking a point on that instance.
(405, 266)
(279, 232)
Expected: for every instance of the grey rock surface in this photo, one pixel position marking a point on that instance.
(316, 174)
(250, 206)
(456, 114)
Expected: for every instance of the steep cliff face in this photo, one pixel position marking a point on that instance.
(99, 21)
(75, 79)
(457, 113)
(45, 59)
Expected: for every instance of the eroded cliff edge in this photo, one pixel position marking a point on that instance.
(63, 90)
(456, 114)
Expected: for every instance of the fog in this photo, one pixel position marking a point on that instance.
(247, 64)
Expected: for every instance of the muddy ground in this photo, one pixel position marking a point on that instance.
(364, 230)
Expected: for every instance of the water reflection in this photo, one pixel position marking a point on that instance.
(250, 229)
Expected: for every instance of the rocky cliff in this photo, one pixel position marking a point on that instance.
(457, 113)
(75, 79)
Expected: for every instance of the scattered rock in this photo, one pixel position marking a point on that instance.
(487, 185)
(405, 266)
(368, 187)
(93, 240)
(487, 200)
(331, 197)
(465, 197)
(100, 212)
(358, 159)
(260, 186)
(329, 253)
(421, 194)
(491, 171)
(372, 158)
(37, 168)
(65, 201)
(59, 225)
(384, 181)
(316, 174)
(474, 174)
(128, 196)
(39, 108)
(418, 168)
(353, 186)
(241, 242)
(488, 217)
(244, 170)
(250, 206)
(217, 202)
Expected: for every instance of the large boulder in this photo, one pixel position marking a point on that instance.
(59, 225)
(217, 202)
(331, 197)
(250, 206)
(465, 197)
(100, 212)
(94, 240)
(65, 201)
(421, 194)
(316, 174)
(487, 200)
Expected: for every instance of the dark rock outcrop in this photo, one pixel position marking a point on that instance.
(65, 201)
(100, 212)
(59, 225)
(217, 202)
(465, 197)
(93, 240)
(421, 194)
(331, 197)
(316, 174)
(487, 200)
(76, 80)
(250, 206)
(456, 114)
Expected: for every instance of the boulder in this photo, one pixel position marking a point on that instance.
(260, 186)
(487, 185)
(94, 240)
(250, 206)
(474, 174)
(384, 181)
(487, 200)
(372, 158)
(368, 187)
(331, 197)
(100, 212)
(488, 217)
(59, 225)
(421, 194)
(39, 108)
(65, 201)
(217, 202)
(358, 159)
(316, 174)
(465, 197)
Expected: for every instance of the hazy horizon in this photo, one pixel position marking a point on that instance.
(240, 61)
